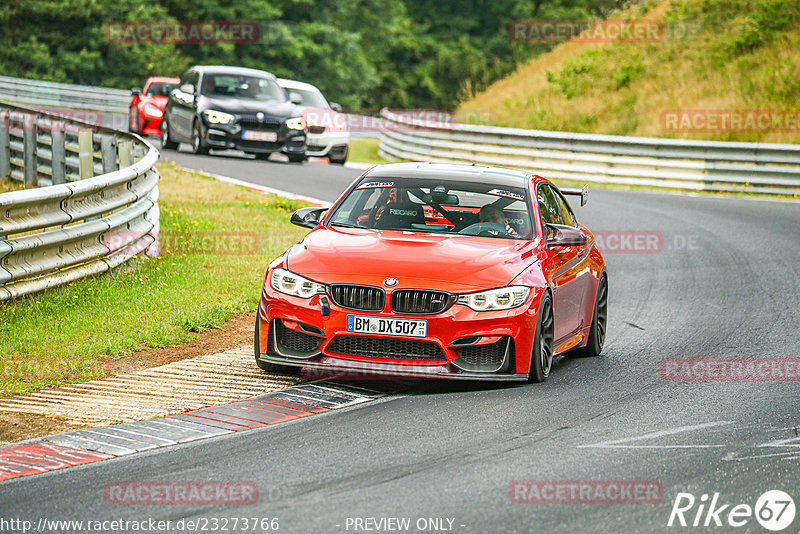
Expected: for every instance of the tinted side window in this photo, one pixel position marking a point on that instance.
(563, 207)
(548, 207)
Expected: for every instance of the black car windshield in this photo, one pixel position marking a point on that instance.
(239, 86)
(436, 206)
(160, 89)
(311, 99)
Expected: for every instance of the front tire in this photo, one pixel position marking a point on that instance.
(198, 145)
(296, 158)
(542, 356)
(343, 159)
(133, 125)
(166, 142)
(267, 366)
(597, 332)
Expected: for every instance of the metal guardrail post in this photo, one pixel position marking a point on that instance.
(30, 172)
(59, 156)
(5, 148)
(125, 149)
(108, 151)
(85, 154)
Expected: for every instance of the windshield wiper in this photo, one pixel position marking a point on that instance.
(345, 225)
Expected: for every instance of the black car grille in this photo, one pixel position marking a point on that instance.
(264, 124)
(421, 302)
(386, 347)
(295, 341)
(490, 356)
(358, 297)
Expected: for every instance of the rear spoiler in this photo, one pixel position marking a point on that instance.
(583, 192)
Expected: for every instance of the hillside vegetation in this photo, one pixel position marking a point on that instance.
(725, 57)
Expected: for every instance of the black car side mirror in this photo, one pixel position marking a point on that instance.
(560, 235)
(336, 107)
(308, 217)
(136, 92)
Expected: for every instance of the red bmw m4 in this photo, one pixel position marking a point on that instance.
(436, 271)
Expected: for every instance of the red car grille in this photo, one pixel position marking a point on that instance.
(358, 297)
(386, 347)
(421, 302)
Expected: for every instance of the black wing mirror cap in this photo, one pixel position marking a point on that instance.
(308, 217)
(560, 235)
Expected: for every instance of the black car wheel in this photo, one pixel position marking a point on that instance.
(198, 145)
(341, 160)
(166, 142)
(297, 158)
(267, 366)
(597, 332)
(542, 356)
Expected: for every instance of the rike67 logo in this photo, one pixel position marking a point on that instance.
(774, 510)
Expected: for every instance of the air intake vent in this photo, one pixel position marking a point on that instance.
(358, 297)
(421, 302)
(386, 347)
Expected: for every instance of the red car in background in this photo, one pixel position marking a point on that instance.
(147, 105)
(436, 271)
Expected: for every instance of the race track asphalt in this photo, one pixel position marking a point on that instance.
(723, 284)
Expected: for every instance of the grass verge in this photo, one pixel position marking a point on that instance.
(216, 242)
(365, 151)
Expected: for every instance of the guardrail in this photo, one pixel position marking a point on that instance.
(108, 106)
(610, 159)
(98, 209)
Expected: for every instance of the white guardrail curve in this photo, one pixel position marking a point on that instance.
(98, 207)
(760, 168)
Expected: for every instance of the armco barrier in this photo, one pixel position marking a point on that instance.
(98, 182)
(669, 163)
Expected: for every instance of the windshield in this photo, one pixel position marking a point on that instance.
(160, 89)
(311, 99)
(436, 206)
(250, 87)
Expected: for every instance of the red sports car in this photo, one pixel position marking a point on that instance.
(433, 270)
(147, 105)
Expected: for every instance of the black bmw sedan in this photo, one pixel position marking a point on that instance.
(220, 107)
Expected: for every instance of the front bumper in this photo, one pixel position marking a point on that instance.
(295, 332)
(229, 137)
(333, 144)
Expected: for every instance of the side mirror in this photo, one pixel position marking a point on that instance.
(136, 92)
(559, 235)
(295, 98)
(187, 88)
(336, 107)
(308, 217)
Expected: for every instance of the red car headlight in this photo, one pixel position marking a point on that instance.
(295, 285)
(152, 111)
(503, 298)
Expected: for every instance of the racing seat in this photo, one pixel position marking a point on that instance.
(401, 216)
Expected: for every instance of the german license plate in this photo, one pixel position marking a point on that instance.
(387, 325)
(256, 135)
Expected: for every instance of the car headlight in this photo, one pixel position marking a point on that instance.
(503, 298)
(297, 123)
(152, 111)
(218, 117)
(295, 285)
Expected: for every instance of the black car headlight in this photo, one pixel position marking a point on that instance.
(295, 285)
(218, 117)
(296, 123)
(503, 298)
